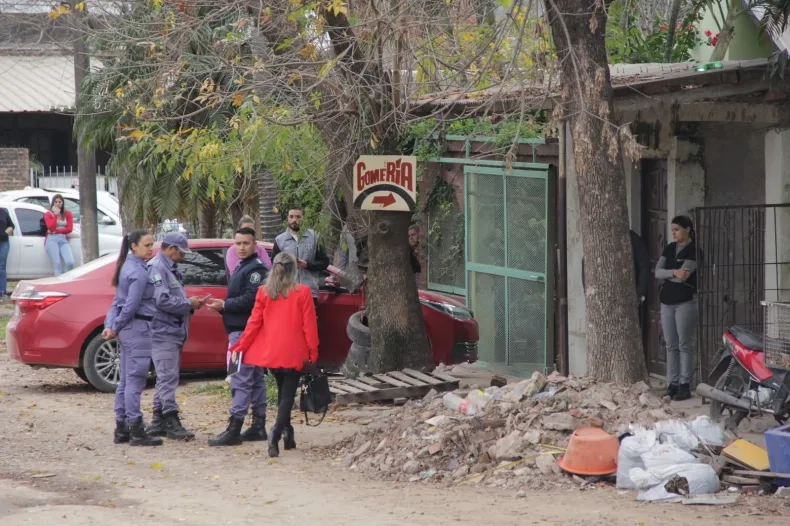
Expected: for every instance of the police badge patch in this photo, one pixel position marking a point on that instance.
(255, 277)
(156, 280)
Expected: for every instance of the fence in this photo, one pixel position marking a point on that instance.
(67, 177)
(743, 258)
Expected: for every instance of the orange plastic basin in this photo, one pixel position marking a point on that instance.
(591, 451)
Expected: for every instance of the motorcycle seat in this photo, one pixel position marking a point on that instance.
(748, 338)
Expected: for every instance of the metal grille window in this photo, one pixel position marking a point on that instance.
(509, 264)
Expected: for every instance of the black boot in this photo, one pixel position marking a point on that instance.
(288, 438)
(121, 435)
(257, 431)
(173, 428)
(157, 427)
(672, 390)
(231, 436)
(138, 435)
(684, 393)
(274, 444)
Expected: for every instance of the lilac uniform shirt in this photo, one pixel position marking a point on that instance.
(232, 260)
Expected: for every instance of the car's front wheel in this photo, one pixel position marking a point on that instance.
(102, 364)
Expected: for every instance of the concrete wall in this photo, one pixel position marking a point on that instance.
(746, 44)
(14, 169)
(734, 163)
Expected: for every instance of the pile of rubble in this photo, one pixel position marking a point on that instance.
(512, 440)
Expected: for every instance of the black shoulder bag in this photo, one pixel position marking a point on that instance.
(315, 396)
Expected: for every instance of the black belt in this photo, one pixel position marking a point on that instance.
(144, 318)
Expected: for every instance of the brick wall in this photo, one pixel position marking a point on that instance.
(14, 169)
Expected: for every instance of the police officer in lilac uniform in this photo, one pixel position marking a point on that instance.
(170, 329)
(129, 320)
(248, 385)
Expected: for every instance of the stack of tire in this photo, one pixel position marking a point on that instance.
(359, 333)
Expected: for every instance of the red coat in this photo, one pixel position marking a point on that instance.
(281, 333)
(52, 223)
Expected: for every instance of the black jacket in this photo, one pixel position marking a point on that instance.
(642, 267)
(5, 222)
(242, 288)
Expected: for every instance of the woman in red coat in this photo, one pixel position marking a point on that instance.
(60, 223)
(282, 336)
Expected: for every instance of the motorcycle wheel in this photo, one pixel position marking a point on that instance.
(717, 408)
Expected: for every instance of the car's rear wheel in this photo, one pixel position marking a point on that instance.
(102, 364)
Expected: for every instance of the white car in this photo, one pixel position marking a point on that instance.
(27, 258)
(108, 218)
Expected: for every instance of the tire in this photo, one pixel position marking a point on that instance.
(81, 373)
(102, 364)
(359, 354)
(356, 362)
(357, 331)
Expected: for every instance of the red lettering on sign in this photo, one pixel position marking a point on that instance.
(397, 172)
(392, 174)
(407, 176)
(360, 172)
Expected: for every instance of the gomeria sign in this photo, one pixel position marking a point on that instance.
(385, 182)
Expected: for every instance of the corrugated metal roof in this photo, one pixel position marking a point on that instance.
(625, 77)
(36, 83)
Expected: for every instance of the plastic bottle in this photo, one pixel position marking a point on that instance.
(456, 403)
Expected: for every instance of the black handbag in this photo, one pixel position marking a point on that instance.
(315, 396)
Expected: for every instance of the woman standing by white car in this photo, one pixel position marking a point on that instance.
(6, 229)
(60, 223)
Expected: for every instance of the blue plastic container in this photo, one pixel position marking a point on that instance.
(777, 442)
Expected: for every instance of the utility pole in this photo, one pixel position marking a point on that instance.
(86, 157)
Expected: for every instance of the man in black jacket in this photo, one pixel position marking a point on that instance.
(642, 267)
(248, 385)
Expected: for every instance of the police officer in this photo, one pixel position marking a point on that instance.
(248, 386)
(129, 320)
(170, 329)
(306, 247)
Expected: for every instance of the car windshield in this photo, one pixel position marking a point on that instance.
(87, 268)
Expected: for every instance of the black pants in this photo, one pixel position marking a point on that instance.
(287, 383)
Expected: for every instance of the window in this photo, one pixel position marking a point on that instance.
(204, 267)
(40, 201)
(29, 222)
(73, 206)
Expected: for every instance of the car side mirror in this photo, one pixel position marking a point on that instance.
(107, 221)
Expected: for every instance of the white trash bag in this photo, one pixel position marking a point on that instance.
(667, 454)
(679, 432)
(630, 455)
(701, 478)
(708, 432)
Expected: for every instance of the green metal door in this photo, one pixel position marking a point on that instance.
(509, 264)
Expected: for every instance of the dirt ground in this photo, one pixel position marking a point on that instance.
(58, 465)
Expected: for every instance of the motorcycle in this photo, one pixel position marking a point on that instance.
(744, 385)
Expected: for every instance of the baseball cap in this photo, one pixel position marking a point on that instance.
(177, 240)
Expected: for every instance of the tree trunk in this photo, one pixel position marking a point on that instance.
(126, 205)
(397, 327)
(86, 157)
(208, 221)
(614, 347)
(672, 22)
(727, 31)
(271, 222)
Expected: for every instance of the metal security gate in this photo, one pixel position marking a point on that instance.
(510, 264)
(744, 255)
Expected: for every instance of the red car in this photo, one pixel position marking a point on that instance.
(58, 321)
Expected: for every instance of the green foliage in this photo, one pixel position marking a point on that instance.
(626, 43)
(445, 237)
(424, 134)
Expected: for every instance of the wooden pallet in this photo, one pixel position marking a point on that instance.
(389, 386)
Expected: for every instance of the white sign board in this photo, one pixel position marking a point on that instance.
(385, 182)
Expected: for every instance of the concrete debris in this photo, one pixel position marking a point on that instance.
(512, 441)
